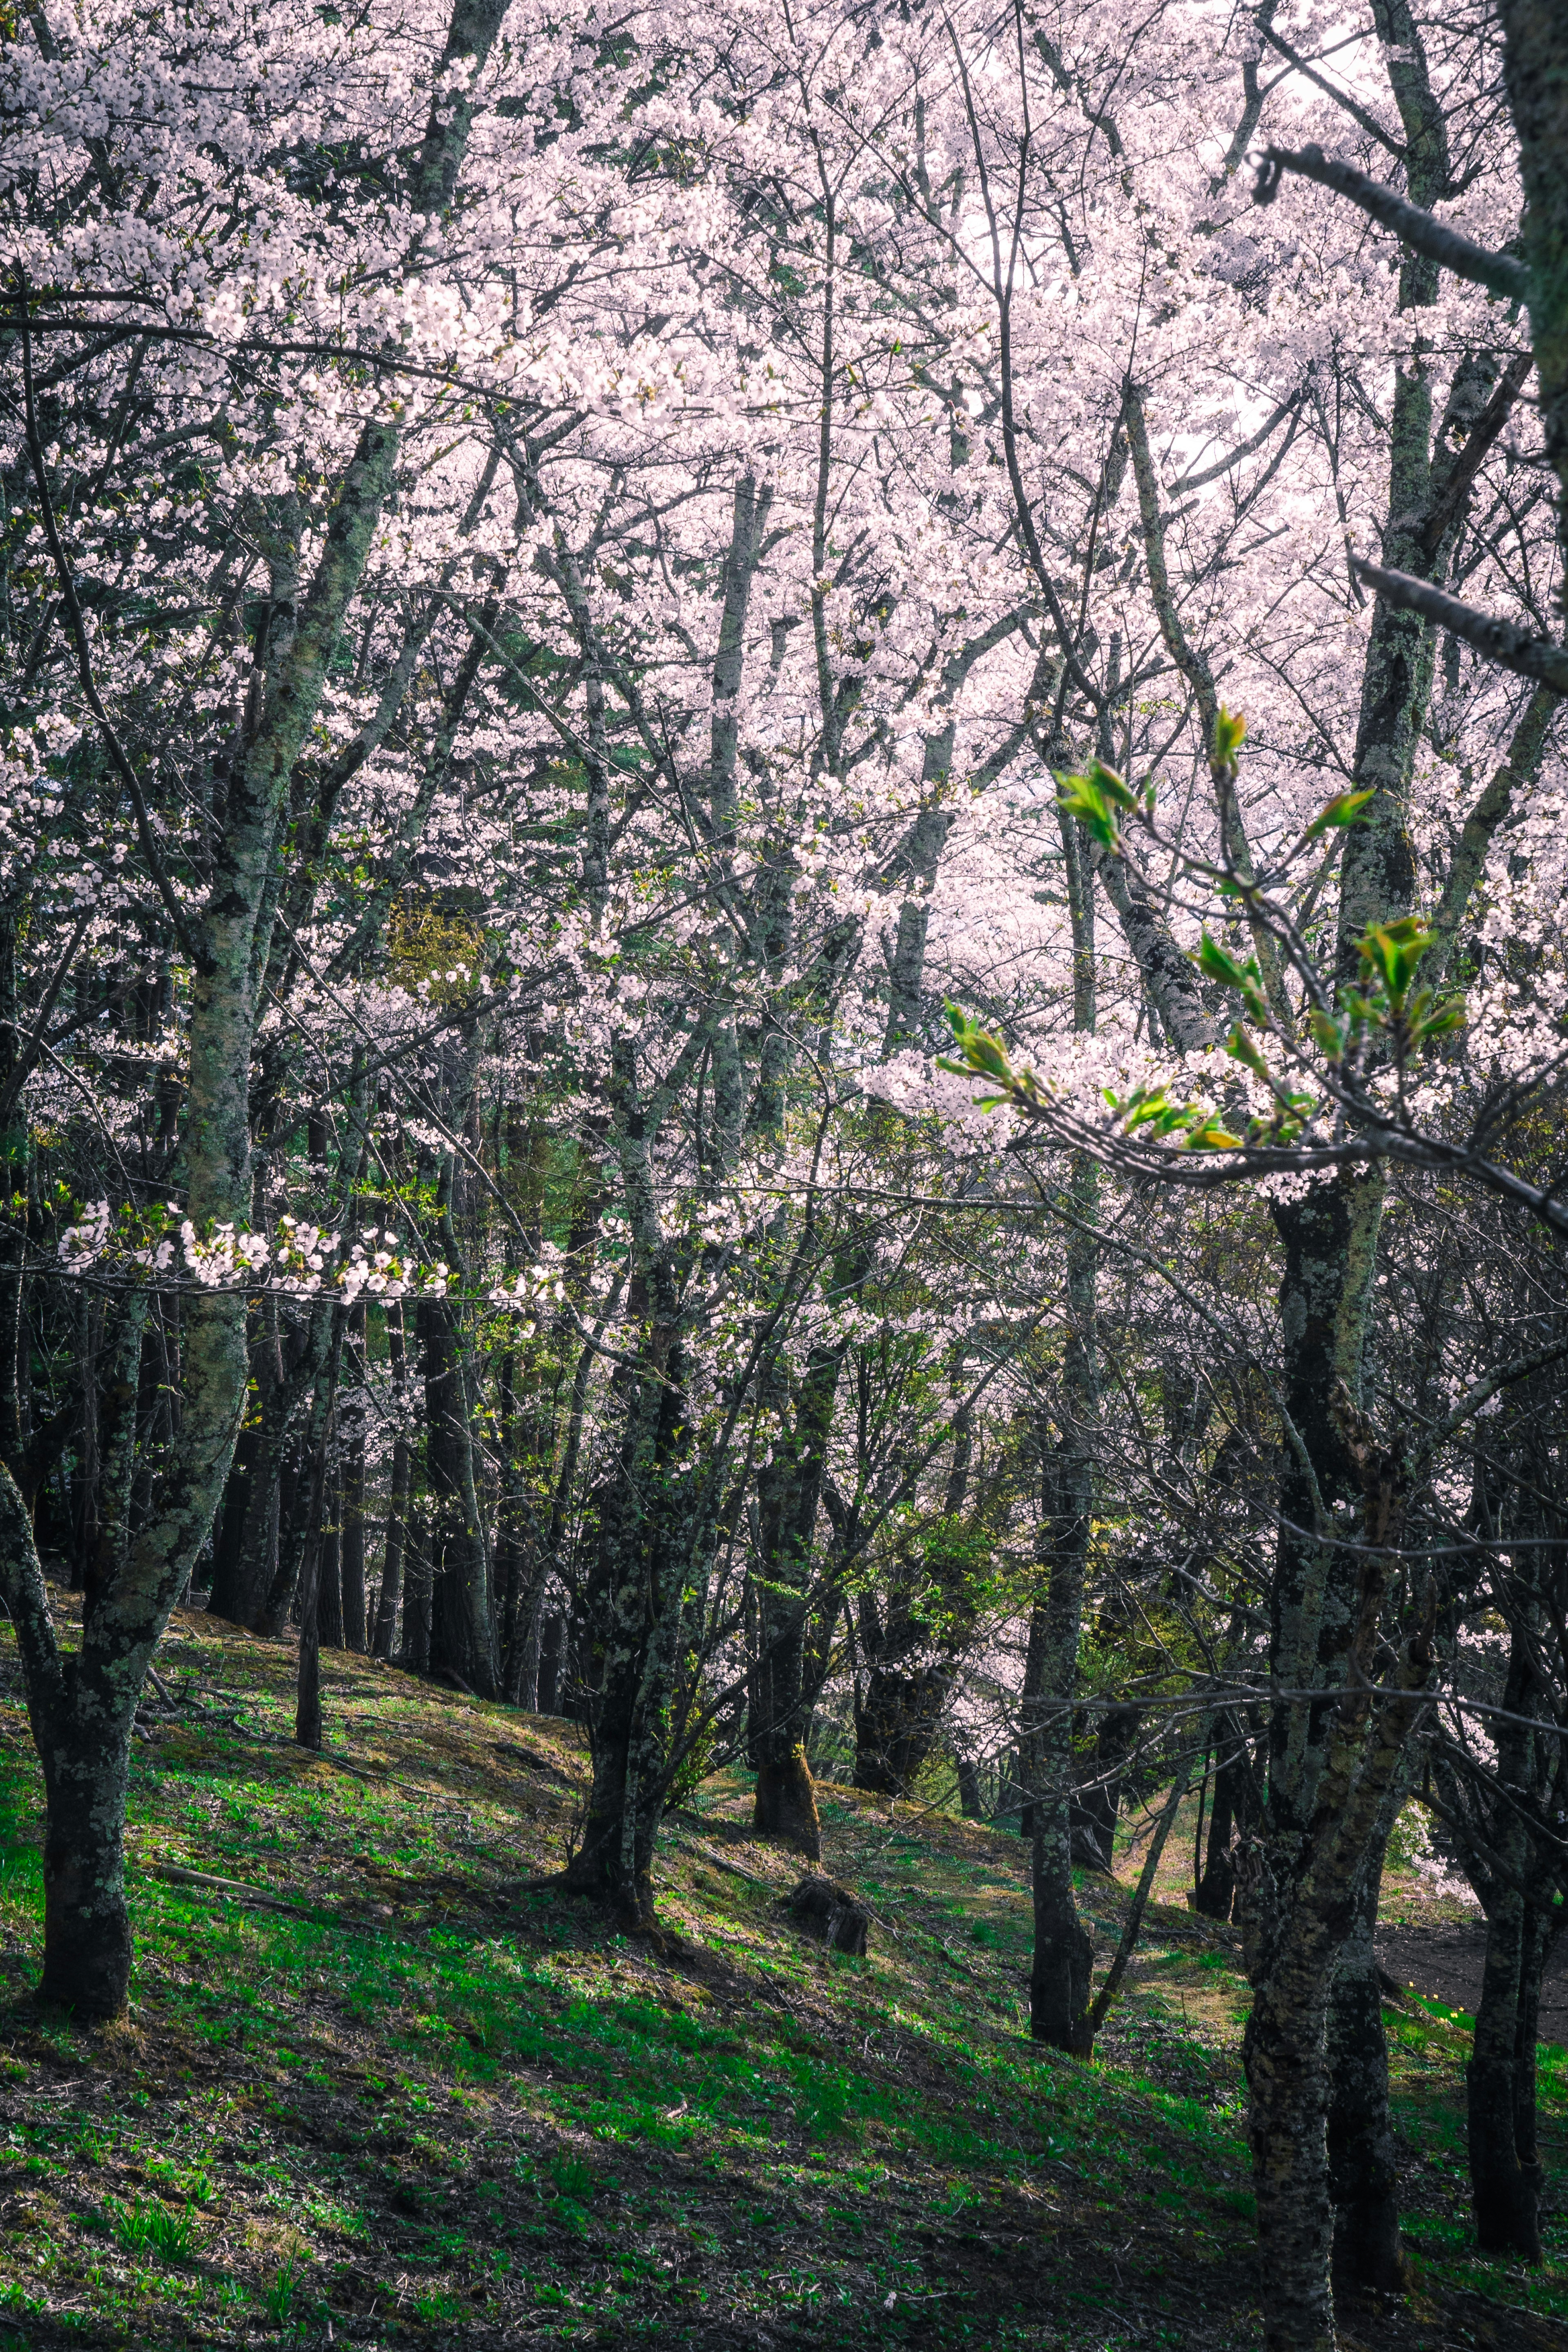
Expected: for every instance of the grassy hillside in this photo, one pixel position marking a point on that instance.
(379, 2095)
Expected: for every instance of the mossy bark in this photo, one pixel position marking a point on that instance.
(790, 1489)
(83, 1706)
(786, 1803)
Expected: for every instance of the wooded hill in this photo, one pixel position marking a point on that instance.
(369, 2078)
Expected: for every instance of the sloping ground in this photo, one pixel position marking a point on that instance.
(372, 2092)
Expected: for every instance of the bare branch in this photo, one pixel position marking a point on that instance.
(1499, 272)
(1534, 658)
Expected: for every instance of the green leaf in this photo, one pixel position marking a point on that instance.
(1392, 951)
(1229, 734)
(1345, 808)
(1241, 1048)
(1329, 1032)
(1216, 964)
(1086, 799)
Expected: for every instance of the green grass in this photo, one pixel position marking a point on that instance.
(434, 2109)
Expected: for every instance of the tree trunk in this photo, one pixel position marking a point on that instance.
(417, 1599)
(1063, 1957)
(391, 1595)
(117, 1441)
(86, 1924)
(1505, 2189)
(326, 1540)
(308, 1695)
(1097, 1808)
(969, 1803)
(790, 1491)
(1229, 1815)
(84, 1707)
(896, 1726)
(351, 1506)
(1363, 2171)
(462, 1641)
(1287, 2075)
(551, 1646)
(1539, 1936)
(392, 1560)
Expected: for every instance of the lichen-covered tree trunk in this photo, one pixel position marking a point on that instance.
(1363, 2172)
(790, 1492)
(83, 1706)
(639, 1613)
(1063, 1954)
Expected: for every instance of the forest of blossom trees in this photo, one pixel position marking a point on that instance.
(784, 953)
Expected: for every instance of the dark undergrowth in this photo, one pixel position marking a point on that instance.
(412, 2103)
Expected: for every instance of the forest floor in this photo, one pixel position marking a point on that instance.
(374, 2092)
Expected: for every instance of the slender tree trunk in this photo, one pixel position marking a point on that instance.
(1097, 1808)
(1363, 2169)
(790, 1492)
(462, 1641)
(350, 1501)
(326, 1541)
(1539, 1935)
(1228, 1815)
(551, 1646)
(307, 1696)
(395, 1545)
(417, 1606)
(1063, 1958)
(391, 1597)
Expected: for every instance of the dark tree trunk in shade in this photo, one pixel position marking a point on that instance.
(462, 1638)
(1364, 2166)
(1505, 2170)
(969, 1802)
(552, 1650)
(91, 1316)
(789, 1491)
(228, 1542)
(1229, 1816)
(417, 1597)
(1505, 2184)
(328, 1542)
(1535, 1949)
(392, 1561)
(1097, 1807)
(307, 1695)
(390, 1601)
(86, 1924)
(350, 1541)
(896, 1726)
(117, 1451)
(1064, 1952)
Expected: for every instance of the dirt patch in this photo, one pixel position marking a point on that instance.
(1444, 1963)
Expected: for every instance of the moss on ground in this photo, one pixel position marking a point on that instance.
(416, 2104)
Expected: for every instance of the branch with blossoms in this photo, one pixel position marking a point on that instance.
(172, 1256)
(1327, 1079)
